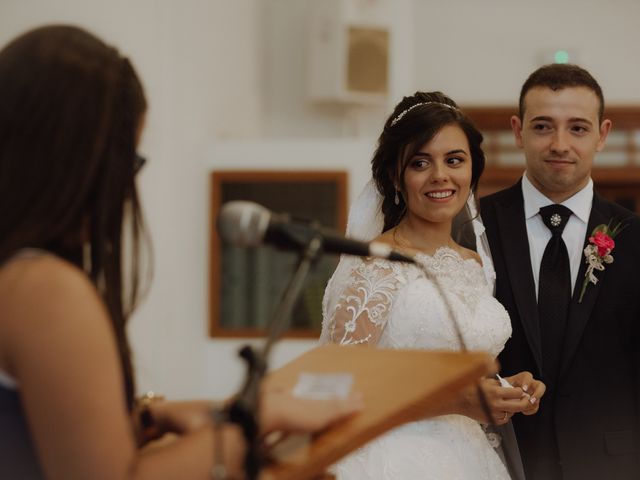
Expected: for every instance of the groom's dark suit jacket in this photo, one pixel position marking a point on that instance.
(590, 417)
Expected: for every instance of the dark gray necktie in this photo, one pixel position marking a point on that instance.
(554, 292)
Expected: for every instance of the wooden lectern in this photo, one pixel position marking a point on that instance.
(397, 386)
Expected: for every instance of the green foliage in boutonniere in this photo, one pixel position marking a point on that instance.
(598, 252)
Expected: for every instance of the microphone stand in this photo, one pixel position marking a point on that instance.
(244, 409)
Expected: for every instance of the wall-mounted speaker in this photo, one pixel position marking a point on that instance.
(349, 49)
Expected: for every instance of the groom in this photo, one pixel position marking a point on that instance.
(586, 348)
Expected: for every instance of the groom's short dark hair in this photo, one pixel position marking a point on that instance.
(557, 76)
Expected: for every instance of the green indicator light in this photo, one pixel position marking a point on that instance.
(561, 56)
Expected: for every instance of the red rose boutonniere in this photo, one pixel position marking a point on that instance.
(598, 252)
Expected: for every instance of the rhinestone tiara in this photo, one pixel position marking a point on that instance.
(404, 112)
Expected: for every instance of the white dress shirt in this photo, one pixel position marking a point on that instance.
(573, 234)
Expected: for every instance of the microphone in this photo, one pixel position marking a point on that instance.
(248, 224)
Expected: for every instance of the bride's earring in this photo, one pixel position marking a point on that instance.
(396, 199)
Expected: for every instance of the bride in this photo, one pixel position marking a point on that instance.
(425, 170)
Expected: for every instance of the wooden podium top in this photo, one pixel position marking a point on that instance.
(397, 386)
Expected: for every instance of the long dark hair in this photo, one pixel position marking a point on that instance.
(70, 110)
(414, 122)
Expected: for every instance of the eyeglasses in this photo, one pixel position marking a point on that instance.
(138, 163)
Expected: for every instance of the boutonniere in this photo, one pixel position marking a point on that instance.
(598, 252)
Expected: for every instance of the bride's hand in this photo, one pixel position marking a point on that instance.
(503, 402)
(533, 388)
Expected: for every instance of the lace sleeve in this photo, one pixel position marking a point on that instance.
(363, 305)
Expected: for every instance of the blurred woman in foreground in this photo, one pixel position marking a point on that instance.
(71, 115)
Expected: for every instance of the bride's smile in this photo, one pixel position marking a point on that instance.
(440, 195)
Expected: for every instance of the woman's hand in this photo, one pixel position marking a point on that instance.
(503, 402)
(281, 411)
(522, 397)
(533, 388)
(181, 417)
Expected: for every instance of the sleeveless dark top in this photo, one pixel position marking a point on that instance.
(18, 458)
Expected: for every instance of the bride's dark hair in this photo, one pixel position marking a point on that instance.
(414, 122)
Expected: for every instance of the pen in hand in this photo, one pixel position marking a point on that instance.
(503, 383)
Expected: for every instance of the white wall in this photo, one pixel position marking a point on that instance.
(199, 62)
(225, 81)
(480, 52)
(288, 113)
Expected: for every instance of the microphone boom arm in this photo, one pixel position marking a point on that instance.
(244, 409)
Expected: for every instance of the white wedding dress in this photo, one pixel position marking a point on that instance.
(395, 305)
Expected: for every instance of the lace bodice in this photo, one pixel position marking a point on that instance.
(395, 305)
